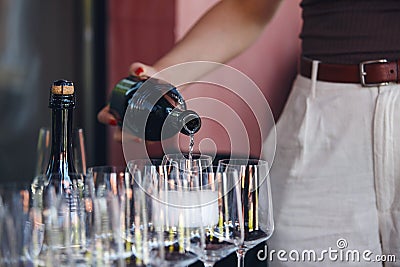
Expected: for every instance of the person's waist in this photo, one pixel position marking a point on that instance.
(367, 73)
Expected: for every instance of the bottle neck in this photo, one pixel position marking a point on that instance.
(61, 158)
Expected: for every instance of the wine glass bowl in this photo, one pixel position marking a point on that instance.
(189, 161)
(256, 201)
(220, 232)
(203, 205)
(160, 227)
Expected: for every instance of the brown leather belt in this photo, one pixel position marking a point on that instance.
(367, 73)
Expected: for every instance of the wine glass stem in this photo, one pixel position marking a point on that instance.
(240, 253)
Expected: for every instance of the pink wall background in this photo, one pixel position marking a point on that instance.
(137, 31)
(271, 63)
(145, 30)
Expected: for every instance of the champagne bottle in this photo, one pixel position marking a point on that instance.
(57, 194)
(154, 109)
(60, 169)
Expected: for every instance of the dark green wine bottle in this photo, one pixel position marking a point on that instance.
(152, 109)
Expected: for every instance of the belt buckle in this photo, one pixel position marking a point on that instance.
(363, 73)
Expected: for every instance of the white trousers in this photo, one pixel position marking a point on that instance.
(336, 176)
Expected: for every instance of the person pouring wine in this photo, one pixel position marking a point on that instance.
(335, 173)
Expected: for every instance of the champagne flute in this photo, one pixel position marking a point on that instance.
(79, 151)
(256, 201)
(136, 206)
(43, 150)
(103, 196)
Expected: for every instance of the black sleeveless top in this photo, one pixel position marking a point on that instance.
(350, 31)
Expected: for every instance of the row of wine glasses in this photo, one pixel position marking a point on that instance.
(81, 227)
(169, 212)
(13, 214)
(191, 207)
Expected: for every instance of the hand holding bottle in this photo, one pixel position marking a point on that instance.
(151, 108)
(106, 117)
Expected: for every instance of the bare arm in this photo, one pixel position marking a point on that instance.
(223, 32)
(226, 30)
